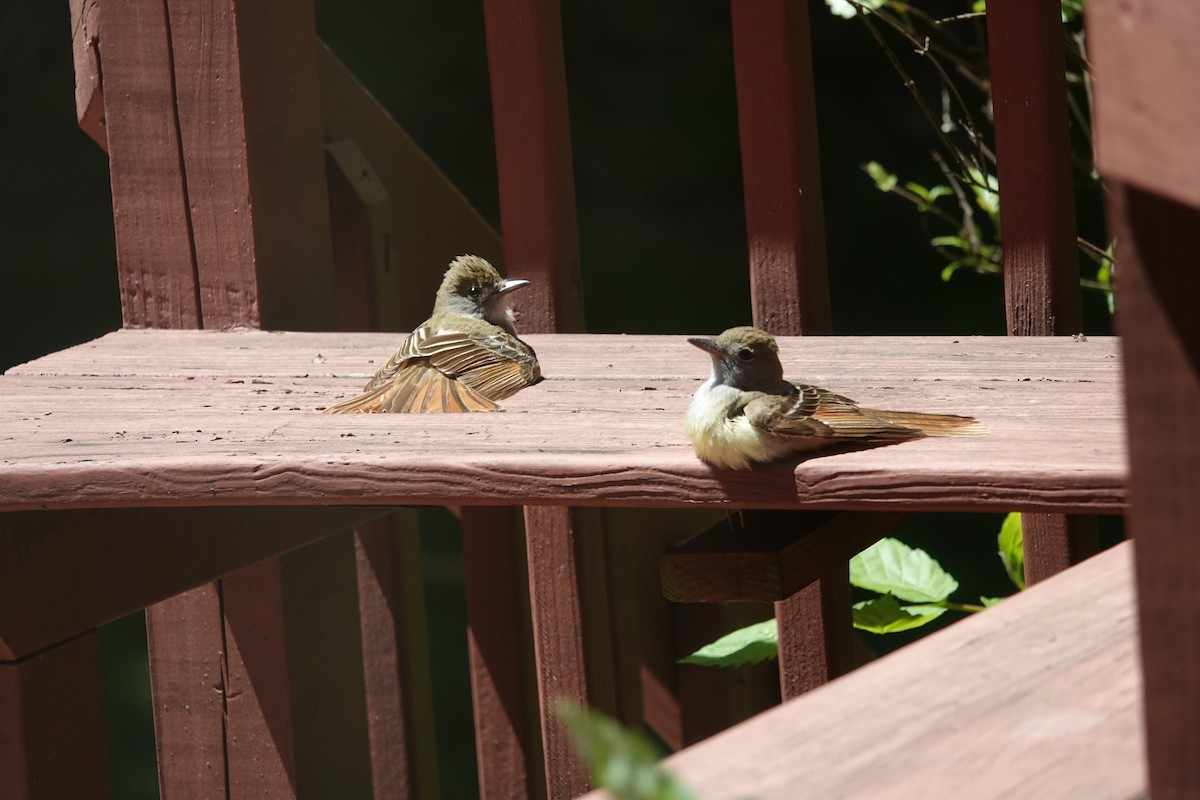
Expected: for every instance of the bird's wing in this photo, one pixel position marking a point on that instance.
(496, 365)
(813, 411)
(419, 388)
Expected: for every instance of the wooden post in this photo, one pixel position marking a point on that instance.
(1037, 216)
(52, 724)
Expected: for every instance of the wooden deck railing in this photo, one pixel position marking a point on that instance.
(151, 462)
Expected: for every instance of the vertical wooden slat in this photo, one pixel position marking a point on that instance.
(533, 160)
(781, 173)
(497, 613)
(156, 262)
(187, 682)
(396, 669)
(1160, 338)
(250, 126)
(815, 634)
(85, 49)
(570, 632)
(1037, 217)
(52, 724)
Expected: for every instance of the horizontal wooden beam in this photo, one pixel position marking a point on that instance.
(767, 556)
(64, 573)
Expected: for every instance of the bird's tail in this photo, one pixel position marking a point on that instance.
(930, 424)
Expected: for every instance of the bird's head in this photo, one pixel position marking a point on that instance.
(472, 287)
(744, 358)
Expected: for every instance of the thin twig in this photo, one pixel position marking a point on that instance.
(968, 220)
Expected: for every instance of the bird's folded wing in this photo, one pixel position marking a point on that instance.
(419, 388)
(814, 411)
(494, 365)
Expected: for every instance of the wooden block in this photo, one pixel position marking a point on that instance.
(770, 555)
(1054, 542)
(52, 742)
(85, 47)
(777, 127)
(816, 634)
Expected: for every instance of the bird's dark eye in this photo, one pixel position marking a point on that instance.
(473, 292)
(745, 354)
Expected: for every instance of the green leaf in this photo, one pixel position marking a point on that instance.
(891, 567)
(622, 761)
(885, 615)
(979, 6)
(988, 602)
(743, 647)
(847, 10)
(940, 191)
(919, 190)
(949, 241)
(1012, 549)
(884, 180)
(949, 269)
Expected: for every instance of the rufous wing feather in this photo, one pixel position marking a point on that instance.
(417, 389)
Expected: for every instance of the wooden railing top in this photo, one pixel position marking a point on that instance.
(1037, 697)
(178, 418)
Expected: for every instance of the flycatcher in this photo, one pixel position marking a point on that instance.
(465, 357)
(746, 412)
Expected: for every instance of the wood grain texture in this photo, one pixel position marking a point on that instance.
(533, 161)
(1054, 542)
(765, 557)
(1144, 123)
(498, 640)
(1161, 347)
(395, 662)
(188, 684)
(1033, 153)
(232, 418)
(569, 606)
(781, 173)
(249, 120)
(85, 50)
(52, 704)
(816, 633)
(152, 222)
(122, 560)
(1037, 697)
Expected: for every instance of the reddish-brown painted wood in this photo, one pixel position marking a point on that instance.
(52, 743)
(122, 560)
(256, 186)
(498, 640)
(602, 430)
(1037, 697)
(816, 634)
(1054, 542)
(765, 557)
(1141, 120)
(85, 48)
(777, 126)
(259, 740)
(1041, 261)
(1160, 337)
(189, 686)
(533, 161)
(155, 255)
(1029, 90)
(570, 632)
(396, 669)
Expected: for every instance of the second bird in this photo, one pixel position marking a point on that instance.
(465, 357)
(746, 412)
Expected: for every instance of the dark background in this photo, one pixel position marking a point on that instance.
(662, 233)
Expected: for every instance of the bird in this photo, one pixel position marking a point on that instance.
(747, 413)
(464, 358)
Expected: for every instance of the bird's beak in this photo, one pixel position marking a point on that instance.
(510, 285)
(707, 345)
